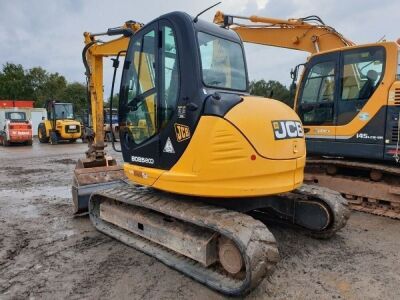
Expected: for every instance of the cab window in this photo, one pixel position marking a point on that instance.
(316, 102)
(222, 63)
(170, 75)
(142, 94)
(16, 116)
(361, 73)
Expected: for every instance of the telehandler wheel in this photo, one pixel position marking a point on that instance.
(42, 134)
(53, 138)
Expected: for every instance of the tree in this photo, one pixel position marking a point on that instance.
(13, 83)
(114, 102)
(39, 85)
(53, 88)
(271, 89)
(37, 78)
(75, 93)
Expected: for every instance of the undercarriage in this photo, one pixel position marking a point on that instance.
(369, 187)
(225, 248)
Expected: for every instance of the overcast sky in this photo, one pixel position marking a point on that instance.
(48, 33)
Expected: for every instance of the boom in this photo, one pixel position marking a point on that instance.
(94, 52)
(298, 34)
(97, 169)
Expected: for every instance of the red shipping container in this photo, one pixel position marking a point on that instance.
(6, 103)
(16, 103)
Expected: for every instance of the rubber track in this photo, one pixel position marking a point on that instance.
(394, 170)
(375, 210)
(385, 169)
(254, 240)
(338, 207)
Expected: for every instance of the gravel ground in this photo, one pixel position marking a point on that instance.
(45, 253)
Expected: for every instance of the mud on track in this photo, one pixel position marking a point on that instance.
(46, 253)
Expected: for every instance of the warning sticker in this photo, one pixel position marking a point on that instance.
(168, 148)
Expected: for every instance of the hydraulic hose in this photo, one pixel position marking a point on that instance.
(87, 71)
(115, 66)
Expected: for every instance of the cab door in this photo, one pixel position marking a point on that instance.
(149, 95)
(138, 99)
(316, 103)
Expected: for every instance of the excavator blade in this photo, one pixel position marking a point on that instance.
(92, 176)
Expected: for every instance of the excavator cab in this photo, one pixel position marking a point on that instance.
(345, 102)
(348, 99)
(169, 74)
(184, 78)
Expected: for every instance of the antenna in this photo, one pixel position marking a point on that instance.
(382, 39)
(212, 6)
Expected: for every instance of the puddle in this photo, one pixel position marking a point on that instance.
(28, 211)
(65, 161)
(46, 191)
(20, 201)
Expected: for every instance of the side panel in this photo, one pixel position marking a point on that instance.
(367, 143)
(220, 162)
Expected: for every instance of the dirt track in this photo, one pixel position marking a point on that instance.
(46, 253)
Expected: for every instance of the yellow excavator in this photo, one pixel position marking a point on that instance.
(204, 160)
(348, 99)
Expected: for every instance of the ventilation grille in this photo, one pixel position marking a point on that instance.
(226, 148)
(397, 96)
(395, 133)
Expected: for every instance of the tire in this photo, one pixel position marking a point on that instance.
(53, 138)
(42, 134)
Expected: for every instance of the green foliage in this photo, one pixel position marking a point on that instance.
(13, 83)
(114, 102)
(271, 89)
(75, 93)
(39, 85)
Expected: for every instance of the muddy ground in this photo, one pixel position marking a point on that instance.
(45, 253)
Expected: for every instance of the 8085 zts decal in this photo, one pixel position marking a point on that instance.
(287, 129)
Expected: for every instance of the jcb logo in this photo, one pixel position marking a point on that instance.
(182, 132)
(287, 129)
